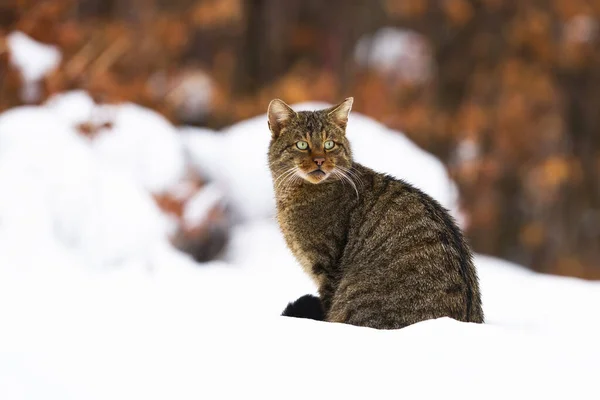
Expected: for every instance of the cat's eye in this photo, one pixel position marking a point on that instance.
(329, 145)
(302, 145)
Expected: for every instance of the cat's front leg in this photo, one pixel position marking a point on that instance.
(325, 278)
(326, 291)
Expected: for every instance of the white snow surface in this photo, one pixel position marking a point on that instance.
(33, 59)
(54, 189)
(141, 143)
(76, 107)
(152, 324)
(198, 207)
(237, 157)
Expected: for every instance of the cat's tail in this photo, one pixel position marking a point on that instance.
(307, 306)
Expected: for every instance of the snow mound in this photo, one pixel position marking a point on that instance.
(198, 207)
(33, 59)
(75, 108)
(144, 145)
(139, 142)
(517, 297)
(237, 158)
(54, 186)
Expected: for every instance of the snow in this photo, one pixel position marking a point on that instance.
(580, 29)
(95, 304)
(143, 145)
(199, 205)
(33, 59)
(55, 189)
(398, 53)
(237, 157)
(140, 143)
(76, 108)
(193, 95)
(530, 303)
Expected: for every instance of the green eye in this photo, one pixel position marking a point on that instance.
(302, 145)
(329, 145)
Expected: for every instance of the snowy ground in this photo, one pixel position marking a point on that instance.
(95, 304)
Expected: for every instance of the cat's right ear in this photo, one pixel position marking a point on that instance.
(279, 115)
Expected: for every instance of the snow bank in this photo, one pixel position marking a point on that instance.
(144, 145)
(75, 108)
(517, 297)
(237, 157)
(196, 210)
(139, 142)
(54, 187)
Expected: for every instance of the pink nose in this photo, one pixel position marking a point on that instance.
(319, 161)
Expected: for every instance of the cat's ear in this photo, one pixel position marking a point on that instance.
(279, 115)
(340, 113)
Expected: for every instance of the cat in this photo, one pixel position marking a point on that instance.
(382, 253)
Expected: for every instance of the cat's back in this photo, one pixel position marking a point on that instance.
(391, 206)
(401, 241)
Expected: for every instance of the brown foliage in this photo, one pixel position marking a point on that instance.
(511, 107)
(525, 102)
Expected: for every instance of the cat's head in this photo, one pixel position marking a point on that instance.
(309, 145)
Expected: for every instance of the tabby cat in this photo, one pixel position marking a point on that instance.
(382, 253)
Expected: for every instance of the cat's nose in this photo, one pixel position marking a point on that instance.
(319, 160)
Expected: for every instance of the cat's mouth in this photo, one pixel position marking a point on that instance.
(316, 176)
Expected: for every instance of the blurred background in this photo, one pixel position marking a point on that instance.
(506, 93)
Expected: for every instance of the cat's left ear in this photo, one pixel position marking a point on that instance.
(340, 113)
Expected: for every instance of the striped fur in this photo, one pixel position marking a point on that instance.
(382, 253)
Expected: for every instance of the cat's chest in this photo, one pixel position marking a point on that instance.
(310, 233)
(306, 258)
(301, 235)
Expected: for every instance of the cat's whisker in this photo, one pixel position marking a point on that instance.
(339, 175)
(344, 176)
(354, 174)
(294, 179)
(351, 182)
(346, 170)
(284, 172)
(284, 183)
(283, 176)
(358, 180)
(290, 182)
(289, 178)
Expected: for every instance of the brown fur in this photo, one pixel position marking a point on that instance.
(382, 253)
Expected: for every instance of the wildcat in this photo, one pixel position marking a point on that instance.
(382, 253)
